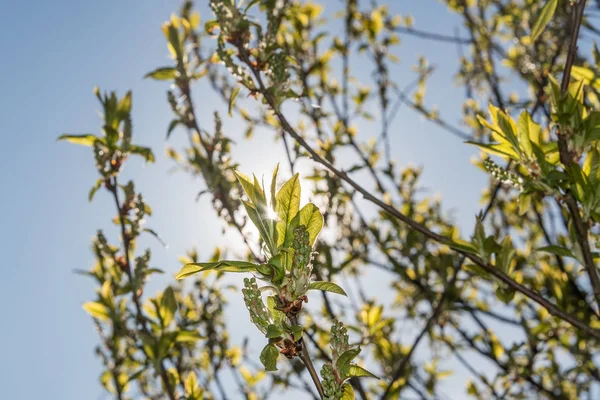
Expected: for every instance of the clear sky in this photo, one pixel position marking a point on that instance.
(55, 52)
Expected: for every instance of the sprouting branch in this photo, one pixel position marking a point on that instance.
(566, 158)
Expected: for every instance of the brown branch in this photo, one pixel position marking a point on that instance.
(391, 210)
(432, 319)
(114, 187)
(566, 157)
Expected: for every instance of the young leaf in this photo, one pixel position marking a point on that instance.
(274, 331)
(346, 358)
(168, 306)
(273, 188)
(187, 336)
(543, 19)
(327, 287)
(311, 217)
(347, 392)
(358, 371)
(278, 316)
(145, 152)
(247, 185)
(232, 97)
(95, 188)
(297, 332)
(97, 310)
(557, 250)
(162, 74)
(84, 140)
(288, 204)
(268, 357)
(219, 266)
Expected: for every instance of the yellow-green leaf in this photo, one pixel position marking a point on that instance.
(168, 306)
(347, 392)
(219, 266)
(84, 140)
(97, 310)
(288, 204)
(543, 19)
(326, 287)
(162, 74)
(358, 371)
(311, 217)
(232, 97)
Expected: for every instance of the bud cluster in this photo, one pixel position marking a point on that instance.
(502, 175)
(339, 339)
(332, 389)
(253, 299)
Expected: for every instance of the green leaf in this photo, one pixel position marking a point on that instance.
(247, 185)
(95, 188)
(462, 245)
(232, 97)
(84, 140)
(260, 224)
(297, 332)
(557, 250)
(311, 217)
(527, 127)
(168, 306)
(288, 204)
(97, 310)
(344, 360)
(172, 126)
(326, 287)
(187, 336)
(278, 316)
(162, 74)
(496, 149)
(274, 331)
(219, 266)
(359, 371)
(543, 19)
(273, 188)
(506, 255)
(268, 357)
(524, 203)
(347, 392)
(124, 107)
(145, 152)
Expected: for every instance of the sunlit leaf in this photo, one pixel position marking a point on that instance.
(232, 97)
(168, 306)
(84, 140)
(543, 19)
(288, 204)
(557, 250)
(162, 74)
(97, 310)
(347, 392)
(358, 371)
(326, 287)
(187, 336)
(311, 217)
(219, 266)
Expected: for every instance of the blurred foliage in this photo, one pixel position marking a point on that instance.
(529, 266)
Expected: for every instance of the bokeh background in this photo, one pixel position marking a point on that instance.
(55, 52)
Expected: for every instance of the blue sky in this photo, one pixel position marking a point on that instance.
(55, 53)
